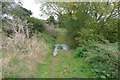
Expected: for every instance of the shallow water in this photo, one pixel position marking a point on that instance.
(64, 47)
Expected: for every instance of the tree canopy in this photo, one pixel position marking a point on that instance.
(97, 20)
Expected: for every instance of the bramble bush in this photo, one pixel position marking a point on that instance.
(103, 59)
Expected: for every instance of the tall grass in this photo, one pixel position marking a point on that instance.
(0, 53)
(22, 55)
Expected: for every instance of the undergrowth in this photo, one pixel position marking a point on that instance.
(102, 58)
(22, 55)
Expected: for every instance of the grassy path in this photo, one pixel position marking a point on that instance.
(64, 65)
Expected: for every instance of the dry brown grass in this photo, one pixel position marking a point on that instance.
(21, 55)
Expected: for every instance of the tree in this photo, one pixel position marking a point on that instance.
(99, 20)
(12, 14)
(15, 10)
(37, 25)
(51, 19)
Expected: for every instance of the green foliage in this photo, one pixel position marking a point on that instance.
(51, 19)
(37, 24)
(60, 47)
(88, 25)
(110, 30)
(101, 57)
(21, 12)
(47, 38)
(12, 12)
(71, 67)
(11, 76)
(85, 35)
(80, 52)
(87, 21)
(15, 9)
(5, 7)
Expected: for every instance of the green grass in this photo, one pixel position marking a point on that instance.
(10, 75)
(44, 69)
(61, 36)
(58, 33)
(64, 66)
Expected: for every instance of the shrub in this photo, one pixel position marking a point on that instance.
(80, 52)
(37, 24)
(102, 58)
(83, 36)
(47, 38)
(51, 19)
